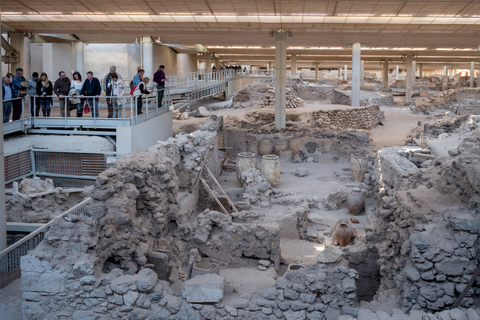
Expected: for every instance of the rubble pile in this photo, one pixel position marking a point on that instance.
(228, 238)
(38, 201)
(427, 230)
(433, 83)
(291, 99)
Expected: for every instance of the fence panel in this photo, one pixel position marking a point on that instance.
(17, 165)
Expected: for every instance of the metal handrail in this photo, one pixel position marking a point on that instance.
(10, 257)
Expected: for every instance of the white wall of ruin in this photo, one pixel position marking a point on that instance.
(131, 139)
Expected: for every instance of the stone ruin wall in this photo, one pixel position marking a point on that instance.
(338, 119)
(354, 118)
(427, 229)
(96, 266)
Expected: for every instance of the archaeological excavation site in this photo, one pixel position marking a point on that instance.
(366, 212)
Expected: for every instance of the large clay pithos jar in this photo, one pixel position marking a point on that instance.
(245, 160)
(271, 169)
(358, 164)
(343, 234)
(356, 201)
(265, 147)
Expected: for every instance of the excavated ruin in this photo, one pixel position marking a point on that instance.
(172, 234)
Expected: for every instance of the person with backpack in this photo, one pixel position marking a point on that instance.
(138, 91)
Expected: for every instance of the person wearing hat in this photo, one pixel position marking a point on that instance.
(159, 78)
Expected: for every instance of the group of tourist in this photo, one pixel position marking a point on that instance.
(75, 94)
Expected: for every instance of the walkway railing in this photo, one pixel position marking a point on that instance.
(10, 257)
(129, 113)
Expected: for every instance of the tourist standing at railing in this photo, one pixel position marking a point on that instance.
(20, 86)
(7, 94)
(91, 88)
(107, 87)
(32, 92)
(77, 85)
(117, 90)
(159, 78)
(61, 89)
(45, 91)
(139, 90)
(137, 78)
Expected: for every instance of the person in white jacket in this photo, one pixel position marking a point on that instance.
(117, 91)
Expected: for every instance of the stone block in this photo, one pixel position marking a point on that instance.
(146, 280)
(204, 288)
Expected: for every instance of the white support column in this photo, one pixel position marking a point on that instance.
(80, 57)
(280, 78)
(340, 72)
(420, 70)
(208, 62)
(414, 72)
(454, 71)
(397, 69)
(356, 53)
(217, 64)
(316, 71)
(147, 56)
(293, 64)
(3, 219)
(362, 71)
(345, 75)
(445, 70)
(385, 74)
(408, 85)
(472, 72)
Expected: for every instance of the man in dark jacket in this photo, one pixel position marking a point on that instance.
(160, 78)
(20, 85)
(61, 89)
(7, 94)
(91, 88)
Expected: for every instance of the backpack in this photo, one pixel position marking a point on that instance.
(131, 85)
(136, 91)
(133, 88)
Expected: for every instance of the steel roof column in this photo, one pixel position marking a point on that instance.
(280, 78)
(356, 51)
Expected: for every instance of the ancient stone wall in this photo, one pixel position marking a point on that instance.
(426, 231)
(354, 118)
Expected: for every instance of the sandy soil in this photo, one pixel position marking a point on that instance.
(398, 124)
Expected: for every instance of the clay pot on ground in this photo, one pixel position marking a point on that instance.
(271, 169)
(245, 160)
(265, 147)
(343, 234)
(358, 164)
(205, 266)
(356, 201)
